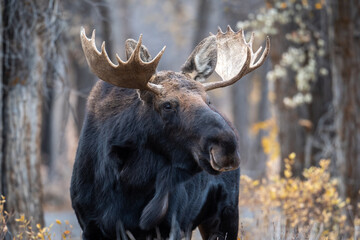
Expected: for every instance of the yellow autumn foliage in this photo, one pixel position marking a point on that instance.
(26, 231)
(291, 205)
(269, 142)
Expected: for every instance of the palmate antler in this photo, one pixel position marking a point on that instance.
(134, 73)
(235, 57)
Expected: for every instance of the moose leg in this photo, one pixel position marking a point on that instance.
(229, 224)
(209, 229)
(92, 232)
(223, 227)
(204, 232)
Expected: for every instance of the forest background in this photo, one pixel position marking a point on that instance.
(298, 116)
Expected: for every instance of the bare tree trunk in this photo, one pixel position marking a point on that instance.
(23, 62)
(291, 134)
(2, 172)
(22, 153)
(292, 137)
(22, 120)
(346, 89)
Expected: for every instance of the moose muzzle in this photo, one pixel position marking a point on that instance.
(219, 148)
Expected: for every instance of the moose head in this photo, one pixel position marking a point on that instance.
(183, 110)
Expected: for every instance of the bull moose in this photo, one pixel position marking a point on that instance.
(155, 158)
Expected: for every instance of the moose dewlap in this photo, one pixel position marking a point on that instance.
(154, 156)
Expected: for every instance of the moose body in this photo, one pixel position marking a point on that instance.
(155, 157)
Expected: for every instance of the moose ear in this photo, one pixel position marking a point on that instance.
(202, 61)
(130, 46)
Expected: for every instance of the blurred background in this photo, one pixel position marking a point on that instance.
(298, 115)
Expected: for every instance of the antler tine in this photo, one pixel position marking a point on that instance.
(255, 55)
(229, 29)
(135, 56)
(219, 30)
(157, 58)
(134, 73)
(263, 55)
(235, 57)
(252, 38)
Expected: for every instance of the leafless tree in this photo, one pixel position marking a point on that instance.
(29, 29)
(345, 56)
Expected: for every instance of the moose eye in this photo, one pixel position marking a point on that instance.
(167, 106)
(208, 101)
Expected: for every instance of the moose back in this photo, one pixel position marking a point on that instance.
(154, 156)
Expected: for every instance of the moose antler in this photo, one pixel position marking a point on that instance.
(235, 57)
(134, 73)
